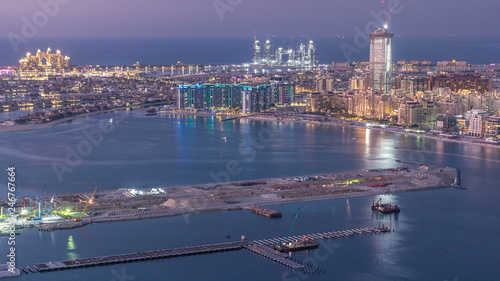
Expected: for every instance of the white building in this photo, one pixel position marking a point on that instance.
(477, 123)
(381, 60)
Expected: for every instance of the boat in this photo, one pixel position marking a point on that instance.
(304, 244)
(151, 111)
(229, 118)
(266, 211)
(224, 138)
(384, 208)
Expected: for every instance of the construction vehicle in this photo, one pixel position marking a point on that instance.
(89, 201)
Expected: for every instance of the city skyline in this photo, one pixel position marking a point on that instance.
(224, 18)
(149, 131)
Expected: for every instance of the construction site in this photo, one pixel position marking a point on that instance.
(49, 212)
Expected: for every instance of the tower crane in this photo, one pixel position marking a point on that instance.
(388, 14)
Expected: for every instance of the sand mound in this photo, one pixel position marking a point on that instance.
(172, 203)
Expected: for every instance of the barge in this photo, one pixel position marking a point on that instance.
(384, 208)
(304, 244)
(266, 211)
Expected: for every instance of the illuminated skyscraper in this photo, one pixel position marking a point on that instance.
(263, 54)
(257, 51)
(268, 52)
(381, 60)
(311, 53)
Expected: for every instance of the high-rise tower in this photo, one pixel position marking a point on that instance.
(381, 60)
(257, 52)
(268, 52)
(311, 53)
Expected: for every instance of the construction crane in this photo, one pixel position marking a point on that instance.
(43, 198)
(388, 13)
(91, 197)
(292, 224)
(51, 203)
(31, 203)
(37, 205)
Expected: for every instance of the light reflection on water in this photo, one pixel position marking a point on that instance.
(183, 150)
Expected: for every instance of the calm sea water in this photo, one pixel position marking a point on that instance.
(171, 150)
(239, 50)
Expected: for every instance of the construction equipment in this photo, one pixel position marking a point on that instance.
(292, 224)
(51, 203)
(290, 246)
(37, 205)
(89, 201)
(43, 198)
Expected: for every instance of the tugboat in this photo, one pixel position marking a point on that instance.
(303, 244)
(384, 208)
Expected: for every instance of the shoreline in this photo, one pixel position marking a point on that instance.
(32, 127)
(340, 122)
(126, 204)
(337, 122)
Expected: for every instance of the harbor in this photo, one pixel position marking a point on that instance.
(66, 211)
(263, 248)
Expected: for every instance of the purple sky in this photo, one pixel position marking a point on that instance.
(196, 18)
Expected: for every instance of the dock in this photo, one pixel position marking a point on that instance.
(263, 248)
(320, 236)
(140, 256)
(274, 255)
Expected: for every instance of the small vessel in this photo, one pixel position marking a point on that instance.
(230, 118)
(224, 138)
(151, 111)
(304, 244)
(384, 208)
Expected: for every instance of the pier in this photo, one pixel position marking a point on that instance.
(262, 248)
(320, 236)
(140, 256)
(274, 255)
